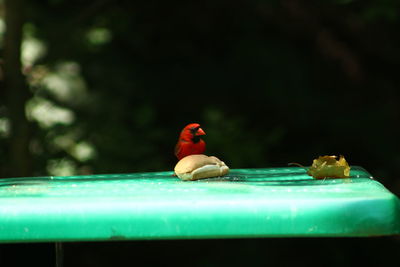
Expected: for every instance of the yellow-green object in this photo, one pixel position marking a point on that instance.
(274, 202)
(329, 167)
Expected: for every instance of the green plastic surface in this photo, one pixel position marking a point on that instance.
(273, 202)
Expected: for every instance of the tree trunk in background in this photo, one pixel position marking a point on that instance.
(17, 92)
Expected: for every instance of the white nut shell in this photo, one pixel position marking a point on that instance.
(200, 166)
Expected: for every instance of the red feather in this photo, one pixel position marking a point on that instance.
(189, 142)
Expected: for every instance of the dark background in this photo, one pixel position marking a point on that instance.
(209, 253)
(270, 82)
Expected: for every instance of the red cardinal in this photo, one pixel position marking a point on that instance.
(189, 141)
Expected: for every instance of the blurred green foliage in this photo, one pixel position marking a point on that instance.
(271, 82)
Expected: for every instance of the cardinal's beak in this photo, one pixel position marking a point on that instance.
(200, 132)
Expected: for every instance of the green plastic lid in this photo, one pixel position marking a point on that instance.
(273, 202)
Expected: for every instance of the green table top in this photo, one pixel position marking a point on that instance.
(272, 202)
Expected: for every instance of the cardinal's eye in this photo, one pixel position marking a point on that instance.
(193, 130)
